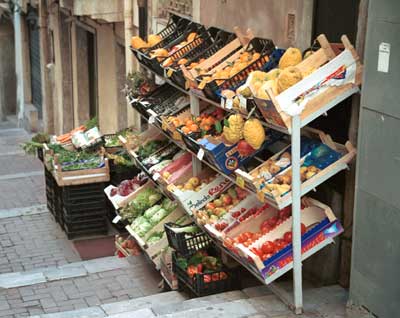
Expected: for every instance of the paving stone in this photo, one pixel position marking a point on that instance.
(235, 309)
(141, 313)
(62, 273)
(143, 302)
(198, 302)
(257, 291)
(269, 304)
(91, 312)
(105, 264)
(21, 279)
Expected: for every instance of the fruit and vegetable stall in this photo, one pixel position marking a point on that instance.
(226, 164)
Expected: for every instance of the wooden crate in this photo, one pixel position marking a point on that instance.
(79, 177)
(221, 58)
(348, 153)
(334, 79)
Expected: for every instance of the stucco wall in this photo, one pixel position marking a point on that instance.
(267, 18)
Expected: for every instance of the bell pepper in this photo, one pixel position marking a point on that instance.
(207, 278)
(192, 270)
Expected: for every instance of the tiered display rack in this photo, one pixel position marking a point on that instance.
(293, 126)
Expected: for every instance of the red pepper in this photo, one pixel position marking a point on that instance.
(191, 270)
(207, 278)
(200, 268)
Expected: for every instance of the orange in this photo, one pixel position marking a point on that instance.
(185, 130)
(194, 127)
(189, 123)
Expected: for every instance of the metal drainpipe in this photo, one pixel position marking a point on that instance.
(142, 4)
(19, 64)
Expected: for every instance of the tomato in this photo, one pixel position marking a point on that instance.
(279, 244)
(264, 257)
(207, 278)
(215, 276)
(223, 275)
(257, 236)
(257, 251)
(246, 244)
(303, 228)
(264, 224)
(288, 237)
(285, 213)
(268, 247)
(272, 221)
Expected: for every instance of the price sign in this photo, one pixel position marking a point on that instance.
(222, 102)
(200, 154)
(229, 103)
(240, 182)
(170, 72)
(261, 196)
(202, 84)
(152, 120)
(116, 219)
(242, 102)
(156, 176)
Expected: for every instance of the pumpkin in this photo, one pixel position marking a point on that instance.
(233, 132)
(253, 133)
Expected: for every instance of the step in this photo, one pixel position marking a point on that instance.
(138, 307)
(172, 298)
(206, 301)
(233, 309)
(72, 270)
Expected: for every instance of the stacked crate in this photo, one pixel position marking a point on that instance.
(84, 210)
(50, 182)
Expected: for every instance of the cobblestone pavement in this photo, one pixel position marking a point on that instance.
(30, 240)
(81, 292)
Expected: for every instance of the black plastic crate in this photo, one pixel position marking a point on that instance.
(84, 215)
(111, 214)
(184, 243)
(190, 140)
(83, 208)
(80, 226)
(154, 63)
(40, 154)
(58, 203)
(212, 282)
(206, 49)
(85, 233)
(176, 26)
(263, 46)
(83, 193)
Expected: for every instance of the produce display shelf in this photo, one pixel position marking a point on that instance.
(167, 80)
(122, 250)
(314, 98)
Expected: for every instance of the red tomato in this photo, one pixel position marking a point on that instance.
(257, 251)
(303, 228)
(272, 221)
(265, 229)
(268, 247)
(279, 244)
(288, 237)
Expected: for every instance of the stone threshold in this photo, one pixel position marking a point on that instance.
(77, 269)
(16, 212)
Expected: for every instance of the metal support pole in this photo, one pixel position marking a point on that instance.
(19, 68)
(296, 219)
(195, 110)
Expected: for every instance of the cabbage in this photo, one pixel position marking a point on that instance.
(143, 228)
(157, 217)
(150, 212)
(169, 205)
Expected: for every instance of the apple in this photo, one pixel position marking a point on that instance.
(227, 199)
(218, 202)
(232, 193)
(235, 201)
(210, 206)
(219, 211)
(194, 181)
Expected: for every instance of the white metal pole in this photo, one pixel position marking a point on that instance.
(195, 110)
(19, 70)
(296, 219)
